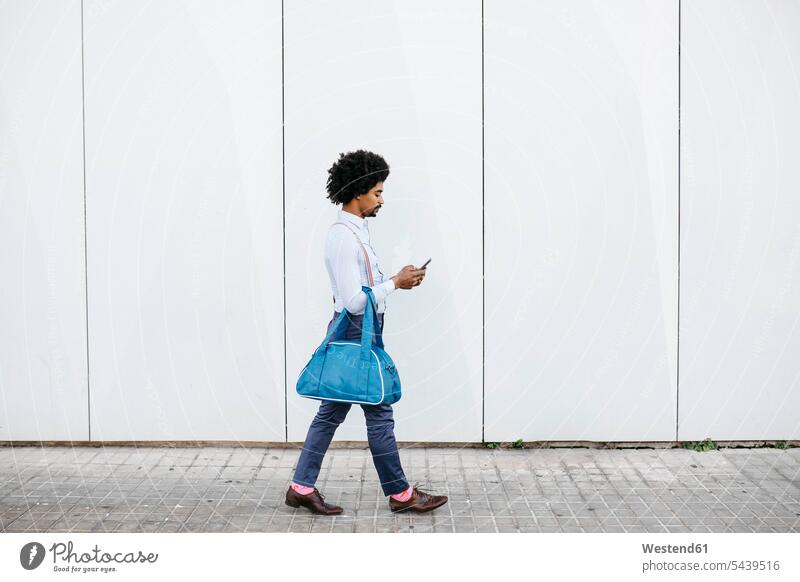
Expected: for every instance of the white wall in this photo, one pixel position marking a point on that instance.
(581, 220)
(183, 182)
(561, 222)
(740, 234)
(43, 387)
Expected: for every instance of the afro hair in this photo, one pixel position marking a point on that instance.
(353, 174)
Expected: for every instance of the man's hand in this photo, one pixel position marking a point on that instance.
(408, 277)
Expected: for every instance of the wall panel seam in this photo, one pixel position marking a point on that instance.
(85, 236)
(678, 328)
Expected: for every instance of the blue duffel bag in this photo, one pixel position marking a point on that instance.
(348, 371)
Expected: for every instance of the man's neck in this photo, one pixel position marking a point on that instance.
(352, 212)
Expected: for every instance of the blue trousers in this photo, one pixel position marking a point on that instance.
(380, 431)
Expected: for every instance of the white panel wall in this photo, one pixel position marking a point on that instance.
(183, 145)
(43, 393)
(184, 225)
(581, 220)
(401, 79)
(740, 234)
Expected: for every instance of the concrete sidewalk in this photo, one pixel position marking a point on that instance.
(127, 489)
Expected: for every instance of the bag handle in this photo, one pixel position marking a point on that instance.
(369, 323)
(337, 328)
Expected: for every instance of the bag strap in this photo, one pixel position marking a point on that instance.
(369, 324)
(337, 328)
(367, 331)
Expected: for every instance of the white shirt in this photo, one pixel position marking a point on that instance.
(347, 270)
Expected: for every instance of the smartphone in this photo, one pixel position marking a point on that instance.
(426, 264)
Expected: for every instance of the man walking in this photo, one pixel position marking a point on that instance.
(356, 181)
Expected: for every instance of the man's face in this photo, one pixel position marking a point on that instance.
(371, 202)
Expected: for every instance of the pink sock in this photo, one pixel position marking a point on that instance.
(403, 495)
(302, 489)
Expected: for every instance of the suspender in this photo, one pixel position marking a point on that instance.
(366, 256)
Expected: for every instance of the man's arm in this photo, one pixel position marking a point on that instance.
(346, 269)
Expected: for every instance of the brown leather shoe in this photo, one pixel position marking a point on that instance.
(419, 502)
(313, 501)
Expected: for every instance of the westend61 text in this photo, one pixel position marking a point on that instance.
(672, 549)
(65, 553)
